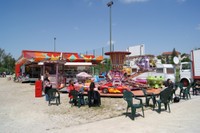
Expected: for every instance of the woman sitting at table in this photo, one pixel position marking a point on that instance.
(169, 84)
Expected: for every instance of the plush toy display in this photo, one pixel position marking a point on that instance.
(155, 82)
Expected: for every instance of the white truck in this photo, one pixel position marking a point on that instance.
(190, 71)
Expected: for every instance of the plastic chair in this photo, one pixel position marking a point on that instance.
(75, 100)
(148, 97)
(180, 85)
(186, 92)
(94, 98)
(53, 95)
(128, 97)
(195, 89)
(165, 97)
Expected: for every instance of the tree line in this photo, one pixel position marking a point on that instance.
(7, 62)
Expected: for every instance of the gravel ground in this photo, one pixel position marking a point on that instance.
(20, 109)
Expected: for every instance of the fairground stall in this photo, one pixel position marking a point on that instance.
(34, 65)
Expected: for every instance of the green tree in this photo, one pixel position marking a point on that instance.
(2, 55)
(174, 54)
(7, 62)
(185, 57)
(161, 58)
(105, 66)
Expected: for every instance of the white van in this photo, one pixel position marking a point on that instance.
(167, 71)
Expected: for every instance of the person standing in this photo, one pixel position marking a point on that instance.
(91, 93)
(70, 88)
(47, 87)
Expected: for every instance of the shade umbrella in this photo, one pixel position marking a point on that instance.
(83, 75)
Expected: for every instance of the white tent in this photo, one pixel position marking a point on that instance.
(83, 75)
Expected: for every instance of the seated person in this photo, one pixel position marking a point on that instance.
(93, 96)
(97, 98)
(169, 84)
(81, 95)
(197, 87)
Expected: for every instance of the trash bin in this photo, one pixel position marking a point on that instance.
(38, 88)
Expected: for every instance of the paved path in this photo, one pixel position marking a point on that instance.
(184, 118)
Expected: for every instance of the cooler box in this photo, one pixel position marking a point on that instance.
(38, 88)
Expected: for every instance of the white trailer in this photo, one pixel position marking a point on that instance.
(190, 71)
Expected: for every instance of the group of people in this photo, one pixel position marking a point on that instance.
(93, 96)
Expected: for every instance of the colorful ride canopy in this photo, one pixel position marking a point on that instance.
(28, 57)
(42, 56)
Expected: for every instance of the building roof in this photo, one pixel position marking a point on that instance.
(170, 53)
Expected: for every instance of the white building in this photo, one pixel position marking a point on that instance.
(136, 50)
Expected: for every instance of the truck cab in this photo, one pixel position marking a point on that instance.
(190, 71)
(185, 73)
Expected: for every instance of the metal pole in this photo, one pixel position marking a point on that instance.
(110, 31)
(54, 44)
(102, 51)
(93, 52)
(109, 4)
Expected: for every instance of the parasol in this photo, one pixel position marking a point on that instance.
(83, 75)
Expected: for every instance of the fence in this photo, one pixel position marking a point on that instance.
(99, 51)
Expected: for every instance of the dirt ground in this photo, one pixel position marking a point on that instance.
(22, 112)
(21, 109)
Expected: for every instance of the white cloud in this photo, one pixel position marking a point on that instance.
(132, 1)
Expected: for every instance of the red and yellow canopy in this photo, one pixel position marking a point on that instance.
(29, 57)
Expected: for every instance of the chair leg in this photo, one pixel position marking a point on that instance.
(133, 110)
(169, 108)
(127, 111)
(159, 107)
(79, 102)
(49, 101)
(154, 102)
(59, 100)
(189, 96)
(143, 111)
(147, 102)
(165, 106)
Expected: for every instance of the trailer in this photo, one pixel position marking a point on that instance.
(190, 71)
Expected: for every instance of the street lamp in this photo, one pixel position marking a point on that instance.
(109, 4)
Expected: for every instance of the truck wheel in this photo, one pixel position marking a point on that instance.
(105, 90)
(185, 82)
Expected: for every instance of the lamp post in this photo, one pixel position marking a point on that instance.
(54, 44)
(109, 4)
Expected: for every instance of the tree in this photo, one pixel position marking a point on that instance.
(174, 54)
(7, 62)
(105, 66)
(161, 58)
(2, 54)
(185, 58)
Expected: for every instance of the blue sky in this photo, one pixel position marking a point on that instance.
(83, 25)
